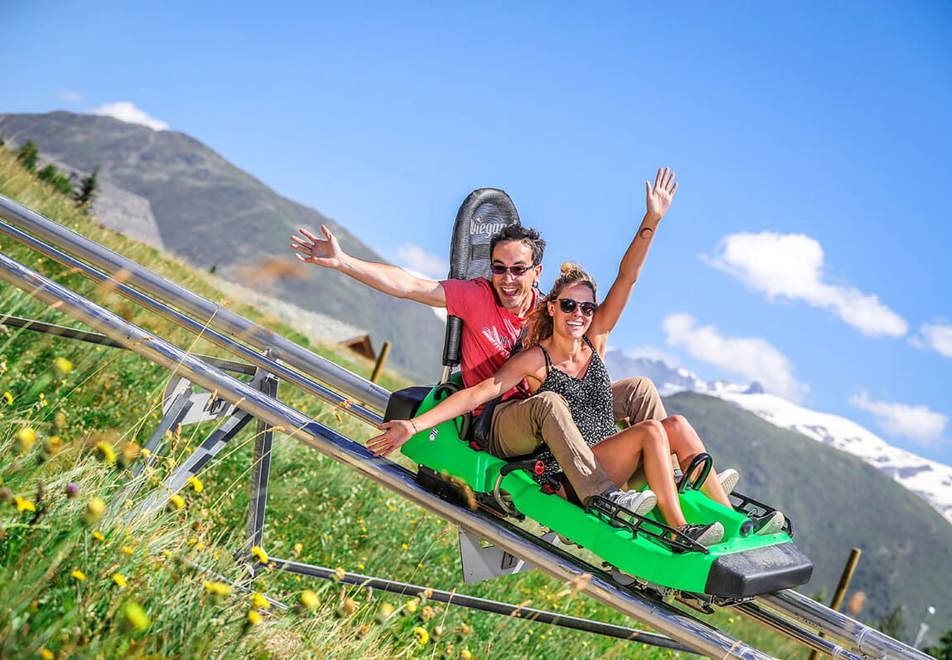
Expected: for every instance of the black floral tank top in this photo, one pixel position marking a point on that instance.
(589, 400)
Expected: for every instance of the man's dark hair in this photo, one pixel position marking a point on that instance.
(527, 235)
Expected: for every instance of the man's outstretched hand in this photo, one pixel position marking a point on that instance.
(659, 196)
(395, 434)
(315, 250)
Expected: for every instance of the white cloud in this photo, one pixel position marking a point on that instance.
(791, 266)
(934, 336)
(129, 113)
(751, 357)
(71, 96)
(918, 423)
(419, 261)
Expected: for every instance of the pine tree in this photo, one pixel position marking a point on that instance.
(56, 179)
(28, 154)
(87, 190)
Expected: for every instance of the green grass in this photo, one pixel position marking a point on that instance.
(318, 512)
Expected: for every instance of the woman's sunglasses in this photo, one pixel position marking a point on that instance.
(568, 306)
(517, 271)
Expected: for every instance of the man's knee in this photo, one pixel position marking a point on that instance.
(639, 386)
(637, 399)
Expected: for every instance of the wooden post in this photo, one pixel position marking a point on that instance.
(843, 585)
(381, 360)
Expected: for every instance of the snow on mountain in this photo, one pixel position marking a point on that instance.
(929, 480)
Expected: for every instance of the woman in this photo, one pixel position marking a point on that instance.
(564, 350)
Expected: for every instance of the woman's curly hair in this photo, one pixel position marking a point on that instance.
(539, 323)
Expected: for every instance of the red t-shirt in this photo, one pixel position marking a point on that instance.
(489, 331)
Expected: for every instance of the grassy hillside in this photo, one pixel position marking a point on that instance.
(318, 511)
(837, 502)
(71, 586)
(214, 214)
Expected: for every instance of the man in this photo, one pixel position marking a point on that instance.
(494, 313)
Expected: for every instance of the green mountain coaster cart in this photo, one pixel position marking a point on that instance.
(639, 550)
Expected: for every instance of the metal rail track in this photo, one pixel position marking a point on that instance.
(786, 611)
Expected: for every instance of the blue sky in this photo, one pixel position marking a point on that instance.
(807, 247)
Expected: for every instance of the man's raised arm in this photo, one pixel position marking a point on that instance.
(394, 281)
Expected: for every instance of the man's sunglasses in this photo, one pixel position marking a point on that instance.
(568, 306)
(517, 271)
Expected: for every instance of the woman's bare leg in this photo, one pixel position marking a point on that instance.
(621, 454)
(686, 444)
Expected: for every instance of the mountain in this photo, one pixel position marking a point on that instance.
(168, 185)
(836, 501)
(930, 480)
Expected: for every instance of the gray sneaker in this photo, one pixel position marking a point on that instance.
(706, 535)
(639, 502)
(769, 523)
(729, 479)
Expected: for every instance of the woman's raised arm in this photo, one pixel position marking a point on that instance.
(657, 202)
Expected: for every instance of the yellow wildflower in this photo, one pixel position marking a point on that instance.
(105, 452)
(254, 617)
(385, 612)
(259, 601)
(260, 554)
(120, 580)
(95, 509)
(422, 636)
(78, 574)
(405, 546)
(54, 444)
(62, 365)
(135, 616)
(464, 654)
(98, 536)
(59, 420)
(26, 437)
(217, 588)
(309, 599)
(46, 654)
(297, 549)
(349, 606)
(176, 502)
(412, 605)
(196, 484)
(23, 505)
(128, 549)
(8, 398)
(144, 453)
(339, 574)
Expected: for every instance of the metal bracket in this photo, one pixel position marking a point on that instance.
(483, 561)
(186, 404)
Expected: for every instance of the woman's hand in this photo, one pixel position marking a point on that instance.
(659, 196)
(312, 249)
(395, 434)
